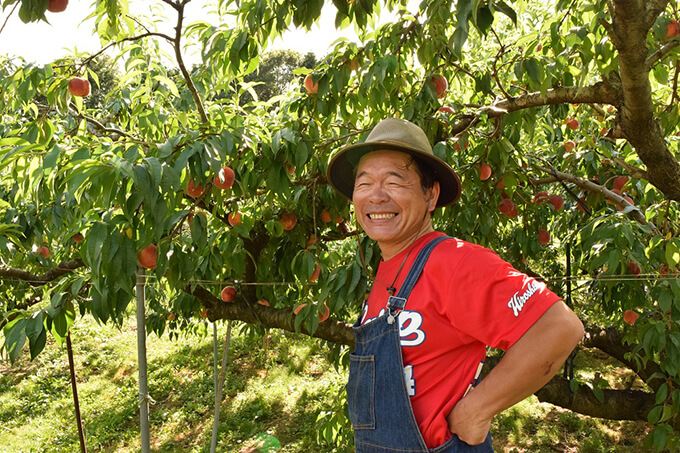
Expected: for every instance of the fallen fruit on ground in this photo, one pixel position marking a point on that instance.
(228, 294)
(148, 257)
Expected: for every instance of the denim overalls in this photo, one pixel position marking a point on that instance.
(379, 405)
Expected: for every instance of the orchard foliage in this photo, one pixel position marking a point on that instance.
(558, 98)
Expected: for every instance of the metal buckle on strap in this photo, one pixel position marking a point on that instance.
(395, 305)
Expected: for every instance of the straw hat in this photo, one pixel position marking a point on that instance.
(398, 135)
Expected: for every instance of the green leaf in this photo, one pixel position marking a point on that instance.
(51, 158)
(673, 253)
(15, 337)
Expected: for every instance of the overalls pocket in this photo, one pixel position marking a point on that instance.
(360, 391)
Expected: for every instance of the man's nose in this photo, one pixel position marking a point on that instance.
(378, 194)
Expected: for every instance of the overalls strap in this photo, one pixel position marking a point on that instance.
(397, 303)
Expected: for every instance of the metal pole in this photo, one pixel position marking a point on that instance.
(141, 359)
(74, 387)
(219, 385)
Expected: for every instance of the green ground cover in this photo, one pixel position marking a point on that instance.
(279, 390)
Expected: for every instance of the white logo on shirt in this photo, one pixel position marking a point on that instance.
(517, 302)
(410, 323)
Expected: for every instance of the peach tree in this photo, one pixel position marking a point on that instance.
(561, 118)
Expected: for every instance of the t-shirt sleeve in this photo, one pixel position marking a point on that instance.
(492, 302)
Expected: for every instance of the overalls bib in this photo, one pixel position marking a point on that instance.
(379, 405)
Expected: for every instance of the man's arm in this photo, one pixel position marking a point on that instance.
(526, 367)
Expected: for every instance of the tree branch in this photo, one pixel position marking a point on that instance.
(180, 60)
(631, 22)
(279, 318)
(590, 186)
(610, 341)
(38, 280)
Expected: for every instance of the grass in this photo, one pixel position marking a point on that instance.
(281, 392)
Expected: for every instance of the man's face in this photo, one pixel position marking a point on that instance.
(389, 200)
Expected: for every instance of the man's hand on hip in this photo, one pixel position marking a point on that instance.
(469, 425)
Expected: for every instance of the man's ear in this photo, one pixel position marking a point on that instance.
(433, 197)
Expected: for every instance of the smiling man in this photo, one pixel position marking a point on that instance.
(436, 304)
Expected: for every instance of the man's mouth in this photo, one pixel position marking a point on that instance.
(381, 216)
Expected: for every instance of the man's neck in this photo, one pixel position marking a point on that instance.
(389, 250)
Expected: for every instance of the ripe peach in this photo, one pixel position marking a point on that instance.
(194, 190)
(672, 29)
(225, 178)
(148, 257)
(484, 171)
(234, 218)
(325, 314)
(634, 268)
(540, 197)
(288, 221)
(79, 87)
(620, 181)
(440, 84)
(325, 216)
(57, 6)
(228, 294)
(543, 237)
(556, 201)
(629, 316)
(312, 88)
(315, 275)
(508, 208)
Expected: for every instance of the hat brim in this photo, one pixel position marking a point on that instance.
(341, 167)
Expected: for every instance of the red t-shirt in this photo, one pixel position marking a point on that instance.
(465, 299)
